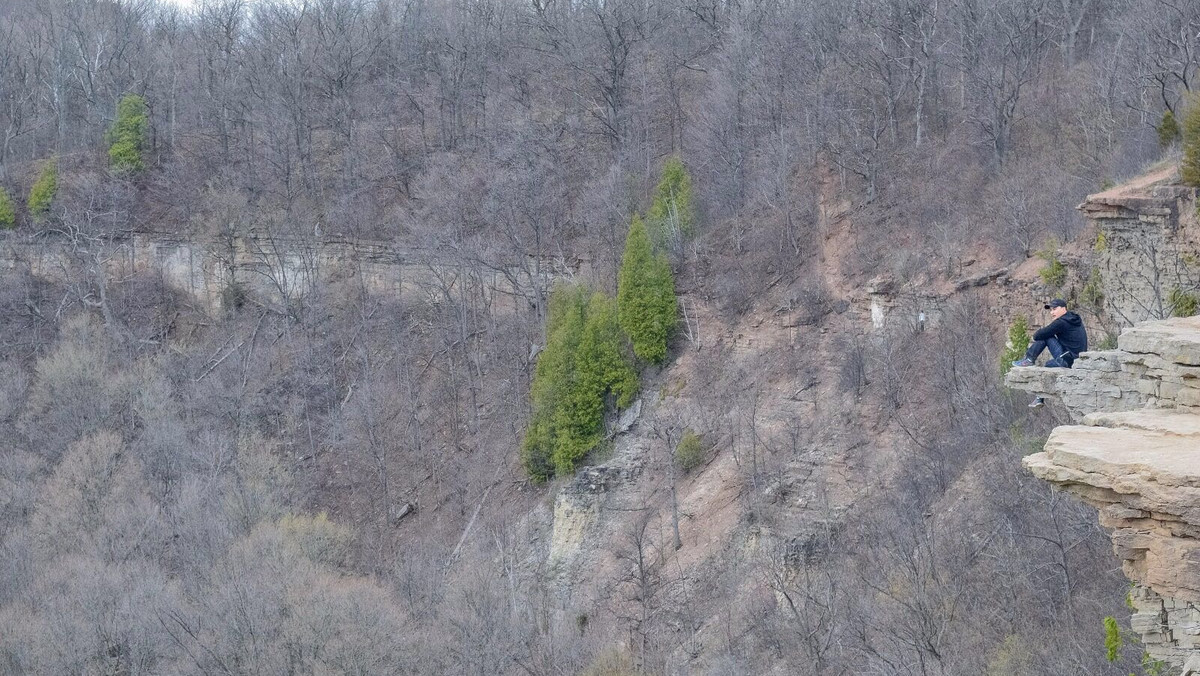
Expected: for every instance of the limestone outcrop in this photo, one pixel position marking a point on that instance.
(1135, 456)
(1146, 244)
(1156, 364)
(578, 505)
(283, 268)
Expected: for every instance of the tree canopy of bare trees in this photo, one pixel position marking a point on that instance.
(326, 481)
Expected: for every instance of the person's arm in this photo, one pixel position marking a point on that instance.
(1050, 330)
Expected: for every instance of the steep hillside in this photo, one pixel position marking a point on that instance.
(317, 332)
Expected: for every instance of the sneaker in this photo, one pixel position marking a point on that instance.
(1023, 362)
(1037, 402)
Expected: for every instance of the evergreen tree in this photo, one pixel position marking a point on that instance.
(1190, 171)
(552, 378)
(646, 296)
(41, 195)
(1168, 130)
(127, 136)
(600, 368)
(671, 214)
(8, 215)
(1017, 344)
(583, 362)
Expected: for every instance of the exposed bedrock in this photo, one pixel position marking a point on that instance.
(1135, 456)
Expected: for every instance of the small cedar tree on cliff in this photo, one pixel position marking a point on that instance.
(583, 362)
(127, 136)
(41, 195)
(646, 296)
(671, 215)
(1190, 171)
(8, 215)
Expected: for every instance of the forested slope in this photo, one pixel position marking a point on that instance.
(330, 482)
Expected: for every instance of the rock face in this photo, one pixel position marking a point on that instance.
(1143, 247)
(1156, 364)
(278, 267)
(577, 508)
(580, 502)
(1135, 456)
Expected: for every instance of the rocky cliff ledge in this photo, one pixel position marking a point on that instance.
(1156, 364)
(1135, 456)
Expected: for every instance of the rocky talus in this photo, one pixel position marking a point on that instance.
(1134, 454)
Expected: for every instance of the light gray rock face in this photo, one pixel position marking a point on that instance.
(285, 269)
(1142, 251)
(1135, 456)
(1156, 364)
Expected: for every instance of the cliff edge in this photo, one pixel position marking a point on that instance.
(1135, 456)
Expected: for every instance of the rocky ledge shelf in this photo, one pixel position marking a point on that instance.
(1156, 364)
(1135, 456)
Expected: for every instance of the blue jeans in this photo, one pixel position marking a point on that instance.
(1059, 358)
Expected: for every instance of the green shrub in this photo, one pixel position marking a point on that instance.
(1055, 272)
(583, 363)
(1183, 303)
(1112, 639)
(1168, 130)
(1189, 171)
(646, 296)
(1092, 294)
(45, 188)
(1153, 667)
(691, 451)
(1015, 346)
(8, 215)
(671, 213)
(127, 136)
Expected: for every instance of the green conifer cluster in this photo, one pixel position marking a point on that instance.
(671, 215)
(646, 295)
(589, 337)
(1112, 639)
(41, 195)
(1168, 130)
(8, 215)
(127, 137)
(584, 361)
(1018, 343)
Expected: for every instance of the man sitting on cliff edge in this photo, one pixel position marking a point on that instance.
(1065, 337)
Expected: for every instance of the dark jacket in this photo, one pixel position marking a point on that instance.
(1069, 331)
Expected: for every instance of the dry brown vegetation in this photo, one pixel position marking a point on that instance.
(327, 482)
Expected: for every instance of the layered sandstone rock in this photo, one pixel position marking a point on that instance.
(1146, 244)
(1156, 364)
(283, 268)
(1135, 456)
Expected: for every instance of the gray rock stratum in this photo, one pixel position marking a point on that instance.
(1134, 454)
